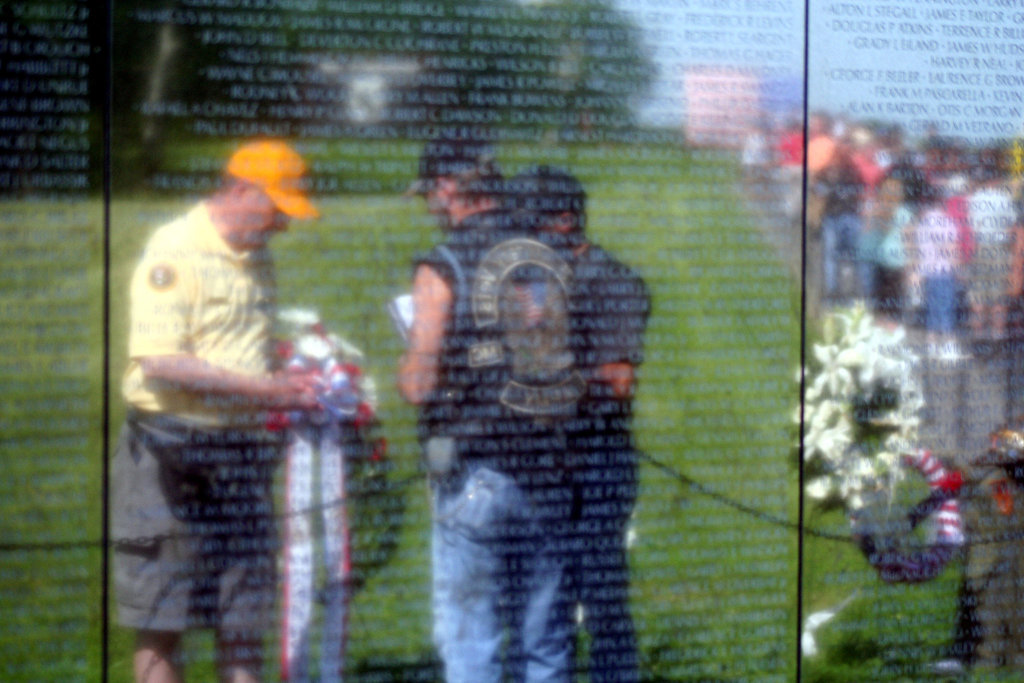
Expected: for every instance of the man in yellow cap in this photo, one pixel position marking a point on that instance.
(194, 538)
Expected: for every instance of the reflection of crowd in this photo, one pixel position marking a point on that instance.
(926, 234)
(522, 358)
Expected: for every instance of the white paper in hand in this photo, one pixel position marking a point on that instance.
(401, 310)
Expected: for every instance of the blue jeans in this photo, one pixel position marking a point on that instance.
(607, 489)
(840, 235)
(940, 303)
(500, 594)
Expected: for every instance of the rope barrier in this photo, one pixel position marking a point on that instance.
(683, 479)
(671, 472)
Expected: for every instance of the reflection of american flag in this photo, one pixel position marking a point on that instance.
(531, 298)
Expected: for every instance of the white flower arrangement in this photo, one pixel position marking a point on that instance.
(307, 343)
(862, 406)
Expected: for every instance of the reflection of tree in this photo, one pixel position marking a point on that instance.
(562, 65)
(167, 45)
(601, 62)
(153, 63)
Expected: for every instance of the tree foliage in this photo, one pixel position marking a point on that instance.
(184, 68)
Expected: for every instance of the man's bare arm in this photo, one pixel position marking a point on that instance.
(284, 391)
(620, 376)
(432, 302)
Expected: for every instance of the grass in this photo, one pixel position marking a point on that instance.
(886, 632)
(714, 588)
(50, 416)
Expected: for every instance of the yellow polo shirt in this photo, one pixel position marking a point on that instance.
(193, 294)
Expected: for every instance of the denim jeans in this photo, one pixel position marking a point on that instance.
(840, 234)
(500, 595)
(940, 303)
(607, 486)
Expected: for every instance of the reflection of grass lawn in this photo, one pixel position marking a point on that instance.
(50, 372)
(714, 589)
(887, 632)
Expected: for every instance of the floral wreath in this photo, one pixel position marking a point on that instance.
(862, 406)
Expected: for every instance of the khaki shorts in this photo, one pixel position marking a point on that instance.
(194, 537)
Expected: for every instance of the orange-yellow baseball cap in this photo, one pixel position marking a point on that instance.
(278, 170)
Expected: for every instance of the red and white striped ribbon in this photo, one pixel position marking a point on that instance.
(948, 519)
(301, 549)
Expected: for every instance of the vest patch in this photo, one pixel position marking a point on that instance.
(521, 289)
(162, 276)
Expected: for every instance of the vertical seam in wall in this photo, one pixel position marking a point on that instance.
(803, 347)
(107, 65)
